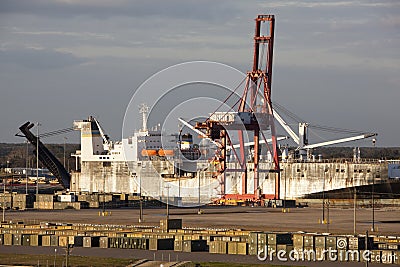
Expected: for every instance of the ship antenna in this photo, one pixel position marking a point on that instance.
(144, 110)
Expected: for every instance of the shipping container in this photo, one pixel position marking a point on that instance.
(396, 257)
(320, 253)
(285, 247)
(178, 245)
(161, 244)
(194, 245)
(262, 239)
(271, 251)
(331, 242)
(66, 198)
(253, 249)
(17, 240)
(342, 242)
(167, 224)
(279, 238)
(382, 246)
(393, 247)
(376, 256)
(35, 241)
(218, 247)
(298, 241)
(320, 241)
(387, 257)
(124, 242)
(308, 241)
(46, 240)
(26, 240)
(242, 248)
(78, 241)
(54, 240)
(63, 241)
(253, 243)
(342, 254)
(91, 241)
(232, 248)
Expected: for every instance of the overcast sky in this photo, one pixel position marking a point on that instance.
(336, 63)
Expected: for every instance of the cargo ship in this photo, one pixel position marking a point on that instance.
(186, 174)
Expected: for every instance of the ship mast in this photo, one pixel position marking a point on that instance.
(144, 110)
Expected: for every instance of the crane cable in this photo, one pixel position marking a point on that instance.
(56, 132)
(297, 119)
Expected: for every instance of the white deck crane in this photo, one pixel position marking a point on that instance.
(106, 140)
(302, 139)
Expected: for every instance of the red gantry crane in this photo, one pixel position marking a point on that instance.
(254, 113)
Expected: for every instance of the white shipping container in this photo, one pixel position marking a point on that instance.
(66, 198)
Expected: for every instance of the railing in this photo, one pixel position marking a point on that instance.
(342, 160)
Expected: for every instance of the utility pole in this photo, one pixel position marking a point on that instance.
(104, 191)
(4, 199)
(141, 200)
(199, 212)
(328, 221)
(37, 164)
(179, 160)
(55, 256)
(26, 167)
(284, 197)
(12, 185)
(65, 138)
(373, 203)
(373, 193)
(141, 210)
(366, 246)
(355, 215)
(167, 201)
(67, 252)
(323, 198)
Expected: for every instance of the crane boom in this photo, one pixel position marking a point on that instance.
(285, 126)
(343, 140)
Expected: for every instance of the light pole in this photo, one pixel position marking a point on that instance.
(4, 200)
(167, 201)
(140, 200)
(65, 138)
(141, 210)
(37, 163)
(179, 160)
(55, 255)
(355, 206)
(4, 197)
(26, 167)
(199, 212)
(284, 197)
(373, 193)
(12, 182)
(4, 194)
(373, 203)
(323, 197)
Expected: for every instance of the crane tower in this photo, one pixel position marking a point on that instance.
(254, 114)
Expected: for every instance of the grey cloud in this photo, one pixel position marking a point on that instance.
(39, 58)
(174, 8)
